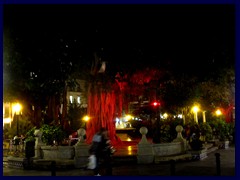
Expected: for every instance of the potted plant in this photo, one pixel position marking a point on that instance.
(53, 136)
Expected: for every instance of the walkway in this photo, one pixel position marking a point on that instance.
(124, 164)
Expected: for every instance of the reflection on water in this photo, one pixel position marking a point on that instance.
(129, 150)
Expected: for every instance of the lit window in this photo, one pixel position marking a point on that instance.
(78, 100)
(71, 99)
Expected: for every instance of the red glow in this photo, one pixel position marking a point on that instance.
(156, 103)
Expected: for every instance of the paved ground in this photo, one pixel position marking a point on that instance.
(125, 167)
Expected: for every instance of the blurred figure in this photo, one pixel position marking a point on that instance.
(101, 148)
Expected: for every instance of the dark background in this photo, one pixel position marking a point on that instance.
(186, 37)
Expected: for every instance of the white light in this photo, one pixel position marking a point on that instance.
(71, 99)
(165, 115)
(180, 116)
(78, 100)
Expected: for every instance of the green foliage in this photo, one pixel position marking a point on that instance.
(168, 129)
(75, 114)
(52, 133)
(30, 135)
(222, 129)
(206, 131)
(24, 124)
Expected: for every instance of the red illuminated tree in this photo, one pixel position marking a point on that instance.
(104, 101)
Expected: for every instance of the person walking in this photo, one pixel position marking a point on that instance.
(101, 148)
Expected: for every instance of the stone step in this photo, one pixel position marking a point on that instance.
(123, 159)
(14, 162)
(47, 163)
(184, 157)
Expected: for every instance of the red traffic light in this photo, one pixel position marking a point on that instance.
(155, 103)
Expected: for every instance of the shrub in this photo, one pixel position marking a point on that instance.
(206, 131)
(51, 133)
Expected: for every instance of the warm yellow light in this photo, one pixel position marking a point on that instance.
(129, 139)
(165, 115)
(128, 117)
(17, 108)
(218, 112)
(86, 118)
(129, 150)
(6, 120)
(195, 109)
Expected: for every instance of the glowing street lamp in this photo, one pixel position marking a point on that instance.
(86, 118)
(195, 109)
(218, 112)
(165, 115)
(17, 108)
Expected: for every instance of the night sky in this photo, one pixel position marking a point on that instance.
(175, 36)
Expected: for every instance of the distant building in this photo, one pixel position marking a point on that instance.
(78, 94)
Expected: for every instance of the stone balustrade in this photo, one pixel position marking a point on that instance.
(148, 152)
(57, 152)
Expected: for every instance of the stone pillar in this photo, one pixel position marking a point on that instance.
(145, 153)
(180, 138)
(204, 116)
(38, 143)
(81, 150)
(196, 117)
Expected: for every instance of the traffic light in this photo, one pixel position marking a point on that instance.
(155, 103)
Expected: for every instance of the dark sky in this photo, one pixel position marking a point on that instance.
(153, 34)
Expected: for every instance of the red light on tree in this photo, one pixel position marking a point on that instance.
(155, 103)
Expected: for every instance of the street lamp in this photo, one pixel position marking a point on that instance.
(17, 108)
(156, 129)
(218, 112)
(195, 109)
(86, 119)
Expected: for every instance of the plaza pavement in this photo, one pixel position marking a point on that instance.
(125, 164)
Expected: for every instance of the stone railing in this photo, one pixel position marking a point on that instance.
(57, 152)
(167, 149)
(147, 151)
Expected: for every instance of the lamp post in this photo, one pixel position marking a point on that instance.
(86, 119)
(17, 107)
(204, 116)
(195, 109)
(156, 129)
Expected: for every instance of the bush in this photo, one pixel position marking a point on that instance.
(223, 130)
(206, 131)
(52, 133)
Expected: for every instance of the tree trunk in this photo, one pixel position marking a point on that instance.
(101, 109)
(102, 103)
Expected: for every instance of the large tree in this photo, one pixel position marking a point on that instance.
(37, 74)
(104, 102)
